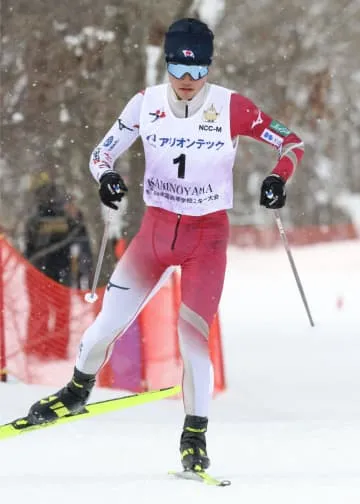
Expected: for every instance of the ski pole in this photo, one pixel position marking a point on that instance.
(91, 297)
(292, 264)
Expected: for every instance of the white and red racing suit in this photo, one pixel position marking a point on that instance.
(190, 152)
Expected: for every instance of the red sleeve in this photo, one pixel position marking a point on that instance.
(246, 119)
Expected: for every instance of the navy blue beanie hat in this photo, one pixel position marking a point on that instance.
(190, 42)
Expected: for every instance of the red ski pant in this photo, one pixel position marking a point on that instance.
(198, 245)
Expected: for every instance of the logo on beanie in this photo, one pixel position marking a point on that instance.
(188, 53)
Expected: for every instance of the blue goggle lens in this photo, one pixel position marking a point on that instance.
(195, 71)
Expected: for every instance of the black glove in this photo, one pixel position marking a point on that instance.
(273, 193)
(112, 188)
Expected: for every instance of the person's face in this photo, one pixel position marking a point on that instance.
(186, 87)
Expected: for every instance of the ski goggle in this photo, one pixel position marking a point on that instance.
(195, 71)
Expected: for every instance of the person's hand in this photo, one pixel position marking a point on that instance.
(112, 188)
(273, 193)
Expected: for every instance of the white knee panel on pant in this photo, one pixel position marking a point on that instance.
(198, 376)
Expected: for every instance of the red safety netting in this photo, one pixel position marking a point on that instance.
(42, 322)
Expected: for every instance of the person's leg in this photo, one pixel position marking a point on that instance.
(201, 287)
(128, 289)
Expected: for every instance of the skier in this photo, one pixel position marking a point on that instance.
(190, 130)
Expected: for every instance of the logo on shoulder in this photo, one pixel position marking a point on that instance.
(271, 138)
(258, 120)
(123, 126)
(280, 128)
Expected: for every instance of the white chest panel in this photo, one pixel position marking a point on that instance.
(188, 161)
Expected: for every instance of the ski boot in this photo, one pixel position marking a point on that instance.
(193, 444)
(69, 400)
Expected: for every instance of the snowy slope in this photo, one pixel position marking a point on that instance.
(286, 431)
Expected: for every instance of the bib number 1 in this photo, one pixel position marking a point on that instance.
(181, 162)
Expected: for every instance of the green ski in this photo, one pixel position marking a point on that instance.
(22, 425)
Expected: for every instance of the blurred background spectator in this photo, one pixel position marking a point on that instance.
(57, 244)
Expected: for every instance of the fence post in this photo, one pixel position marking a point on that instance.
(2, 325)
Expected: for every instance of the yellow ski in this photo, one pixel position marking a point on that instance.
(201, 476)
(22, 425)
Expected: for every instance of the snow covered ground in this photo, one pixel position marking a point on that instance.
(286, 431)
